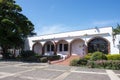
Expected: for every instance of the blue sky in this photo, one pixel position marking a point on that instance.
(53, 16)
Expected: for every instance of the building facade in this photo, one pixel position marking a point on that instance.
(75, 42)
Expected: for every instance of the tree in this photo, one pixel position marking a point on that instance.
(14, 26)
(117, 30)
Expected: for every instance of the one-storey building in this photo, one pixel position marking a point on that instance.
(78, 42)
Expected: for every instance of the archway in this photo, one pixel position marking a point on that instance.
(37, 48)
(62, 47)
(78, 47)
(49, 48)
(98, 44)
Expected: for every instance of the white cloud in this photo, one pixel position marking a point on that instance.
(52, 29)
(41, 29)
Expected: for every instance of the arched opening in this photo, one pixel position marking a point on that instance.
(78, 47)
(98, 44)
(49, 48)
(37, 48)
(62, 47)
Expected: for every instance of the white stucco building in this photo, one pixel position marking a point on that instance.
(78, 42)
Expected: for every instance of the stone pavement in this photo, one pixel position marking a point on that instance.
(41, 71)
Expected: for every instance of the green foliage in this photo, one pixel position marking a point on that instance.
(43, 59)
(82, 61)
(88, 56)
(116, 30)
(53, 57)
(91, 64)
(8, 56)
(98, 56)
(30, 56)
(26, 54)
(74, 62)
(78, 62)
(107, 64)
(113, 57)
(14, 26)
(31, 59)
(50, 58)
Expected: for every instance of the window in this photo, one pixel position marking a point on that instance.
(52, 47)
(60, 47)
(65, 47)
(48, 47)
(98, 44)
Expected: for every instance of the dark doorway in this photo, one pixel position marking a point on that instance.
(98, 44)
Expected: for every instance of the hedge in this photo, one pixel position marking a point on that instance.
(8, 56)
(26, 54)
(113, 57)
(74, 62)
(106, 64)
(52, 57)
(98, 56)
(98, 60)
(78, 62)
(43, 59)
(87, 57)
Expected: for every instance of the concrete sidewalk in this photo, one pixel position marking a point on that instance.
(42, 71)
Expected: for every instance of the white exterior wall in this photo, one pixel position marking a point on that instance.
(86, 35)
(115, 49)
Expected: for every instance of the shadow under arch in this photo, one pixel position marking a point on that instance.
(98, 44)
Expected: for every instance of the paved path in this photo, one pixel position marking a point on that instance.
(41, 71)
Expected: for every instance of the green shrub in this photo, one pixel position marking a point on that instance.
(116, 65)
(78, 62)
(8, 56)
(98, 64)
(53, 57)
(113, 57)
(107, 64)
(82, 61)
(43, 59)
(98, 56)
(89, 54)
(26, 54)
(91, 64)
(74, 62)
(87, 57)
(31, 58)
